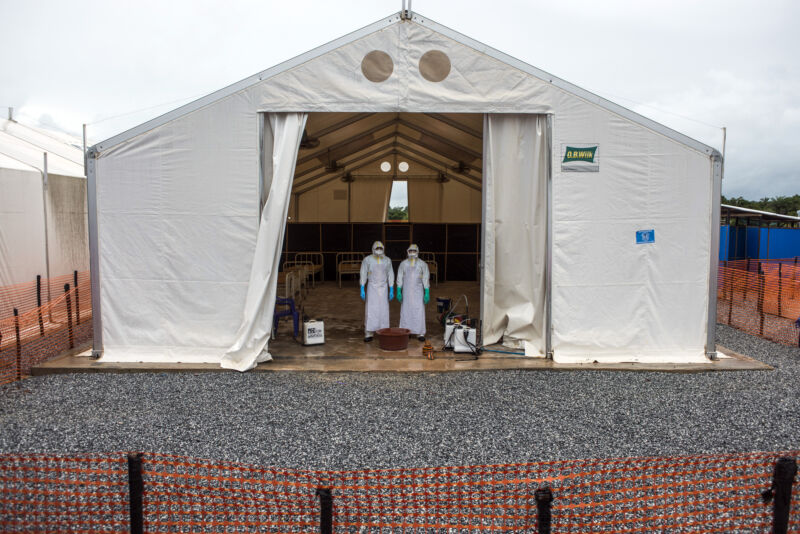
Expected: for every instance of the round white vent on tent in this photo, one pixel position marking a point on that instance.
(403, 166)
(434, 65)
(386, 166)
(377, 66)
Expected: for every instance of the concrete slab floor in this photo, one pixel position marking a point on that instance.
(345, 350)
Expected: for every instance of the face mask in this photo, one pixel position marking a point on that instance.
(412, 254)
(379, 251)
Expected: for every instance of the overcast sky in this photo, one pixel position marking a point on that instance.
(693, 65)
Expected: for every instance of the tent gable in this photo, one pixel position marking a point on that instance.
(398, 64)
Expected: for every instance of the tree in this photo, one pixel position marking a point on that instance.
(397, 213)
(781, 205)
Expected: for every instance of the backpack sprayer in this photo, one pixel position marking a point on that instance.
(461, 332)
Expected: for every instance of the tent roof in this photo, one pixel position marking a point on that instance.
(22, 147)
(435, 145)
(398, 18)
(737, 211)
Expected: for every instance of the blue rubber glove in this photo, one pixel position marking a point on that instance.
(427, 295)
(399, 294)
(363, 295)
(391, 292)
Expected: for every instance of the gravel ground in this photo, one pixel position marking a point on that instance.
(339, 421)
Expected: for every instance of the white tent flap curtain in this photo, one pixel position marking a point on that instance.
(515, 230)
(250, 346)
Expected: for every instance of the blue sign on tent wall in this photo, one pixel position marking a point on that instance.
(645, 236)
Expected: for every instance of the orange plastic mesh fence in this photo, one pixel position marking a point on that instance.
(64, 493)
(761, 297)
(40, 333)
(87, 493)
(26, 297)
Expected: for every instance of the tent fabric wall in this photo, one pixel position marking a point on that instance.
(177, 215)
(22, 239)
(613, 298)
(68, 234)
(369, 201)
(429, 201)
(21, 227)
(178, 218)
(22, 204)
(515, 236)
(250, 345)
(452, 202)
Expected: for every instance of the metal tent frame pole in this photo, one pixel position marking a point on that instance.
(94, 252)
(713, 267)
(45, 179)
(548, 272)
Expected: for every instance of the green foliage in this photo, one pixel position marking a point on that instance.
(397, 214)
(780, 205)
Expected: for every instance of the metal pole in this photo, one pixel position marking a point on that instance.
(69, 318)
(261, 189)
(548, 273)
(77, 300)
(781, 490)
(136, 489)
(46, 242)
(716, 194)
(544, 499)
(19, 344)
(761, 301)
(325, 510)
(39, 303)
(780, 288)
(730, 294)
(84, 149)
(94, 257)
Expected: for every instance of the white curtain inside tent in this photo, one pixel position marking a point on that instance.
(515, 197)
(285, 130)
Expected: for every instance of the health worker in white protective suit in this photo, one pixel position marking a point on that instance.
(413, 291)
(378, 277)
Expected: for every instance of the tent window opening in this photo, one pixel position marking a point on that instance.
(398, 202)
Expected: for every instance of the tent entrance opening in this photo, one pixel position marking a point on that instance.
(341, 204)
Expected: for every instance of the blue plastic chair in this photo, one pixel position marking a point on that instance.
(286, 312)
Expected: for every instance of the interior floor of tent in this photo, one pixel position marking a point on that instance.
(342, 311)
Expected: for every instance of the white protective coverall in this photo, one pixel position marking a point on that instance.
(378, 275)
(413, 276)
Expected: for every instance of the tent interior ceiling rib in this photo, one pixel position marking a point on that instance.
(344, 148)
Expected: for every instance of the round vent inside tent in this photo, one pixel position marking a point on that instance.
(402, 166)
(434, 65)
(386, 166)
(377, 66)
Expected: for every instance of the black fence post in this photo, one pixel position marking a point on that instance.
(77, 301)
(781, 490)
(325, 510)
(544, 498)
(780, 289)
(19, 344)
(39, 303)
(761, 302)
(747, 283)
(69, 319)
(136, 489)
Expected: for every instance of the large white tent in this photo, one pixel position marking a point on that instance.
(43, 226)
(599, 226)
